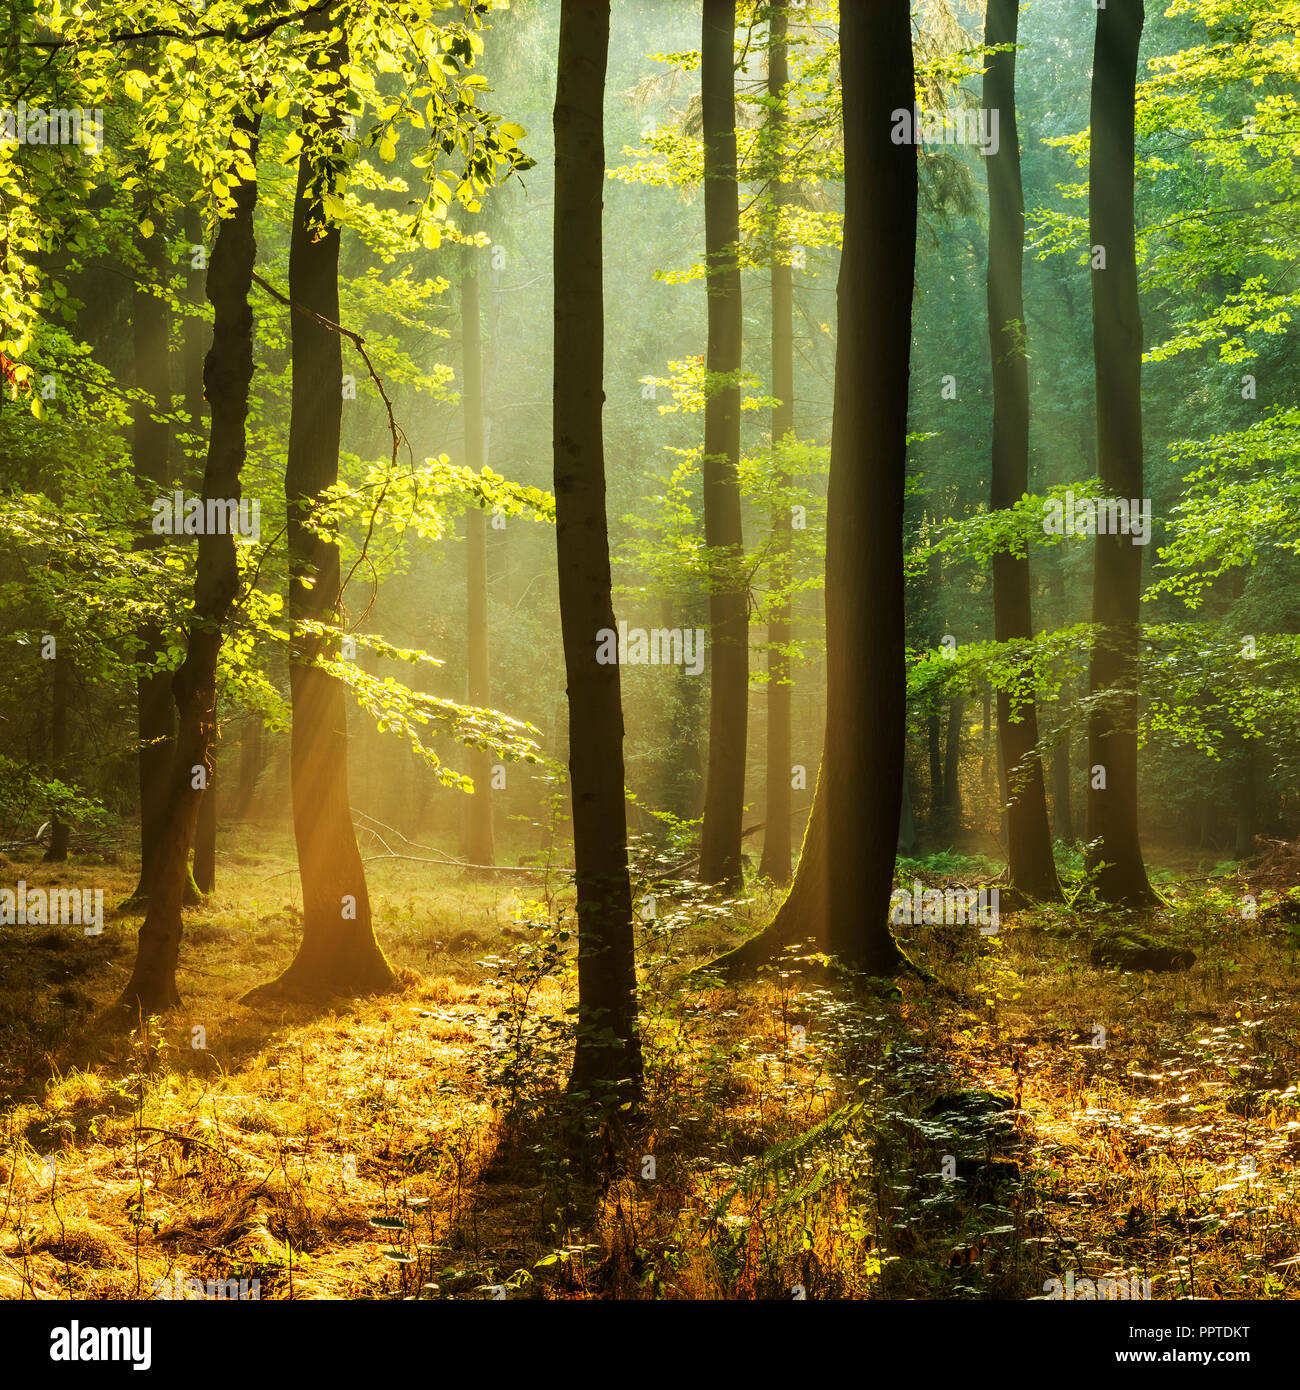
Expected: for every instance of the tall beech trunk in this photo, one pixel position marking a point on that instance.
(1247, 801)
(338, 953)
(607, 1054)
(250, 765)
(479, 845)
(952, 767)
(775, 862)
(155, 715)
(194, 335)
(227, 373)
(1062, 814)
(1117, 351)
(724, 791)
(60, 831)
(195, 331)
(934, 755)
(1030, 866)
(205, 832)
(841, 888)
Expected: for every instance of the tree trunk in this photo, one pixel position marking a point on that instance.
(60, 831)
(841, 888)
(227, 374)
(724, 794)
(952, 767)
(934, 750)
(1117, 576)
(775, 863)
(250, 764)
(607, 1054)
(1064, 820)
(479, 846)
(155, 716)
(205, 833)
(906, 823)
(1246, 801)
(193, 339)
(338, 953)
(1030, 865)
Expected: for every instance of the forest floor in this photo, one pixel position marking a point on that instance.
(1027, 1116)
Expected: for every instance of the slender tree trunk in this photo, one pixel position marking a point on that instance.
(607, 1055)
(934, 750)
(1029, 838)
(906, 823)
(952, 767)
(1064, 819)
(479, 846)
(60, 831)
(250, 764)
(339, 953)
(194, 333)
(724, 794)
(840, 893)
(205, 832)
(1117, 577)
(227, 374)
(194, 337)
(155, 716)
(775, 863)
(1246, 801)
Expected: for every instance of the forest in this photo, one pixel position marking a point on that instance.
(649, 652)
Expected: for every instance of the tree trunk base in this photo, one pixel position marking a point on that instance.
(140, 898)
(309, 984)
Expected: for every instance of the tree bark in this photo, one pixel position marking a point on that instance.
(338, 954)
(205, 833)
(1117, 576)
(155, 716)
(607, 1054)
(775, 863)
(952, 767)
(1247, 801)
(1031, 869)
(724, 794)
(250, 764)
(479, 844)
(840, 893)
(60, 831)
(227, 373)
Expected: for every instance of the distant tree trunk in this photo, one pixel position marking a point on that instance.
(934, 748)
(155, 716)
(479, 846)
(906, 824)
(952, 767)
(1031, 869)
(250, 764)
(194, 335)
(60, 831)
(607, 1054)
(1117, 350)
(724, 794)
(205, 831)
(194, 343)
(1064, 820)
(227, 374)
(775, 863)
(338, 953)
(1246, 801)
(840, 893)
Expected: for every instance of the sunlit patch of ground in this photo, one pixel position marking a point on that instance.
(965, 1140)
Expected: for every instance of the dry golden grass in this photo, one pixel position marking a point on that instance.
(369, 1149)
